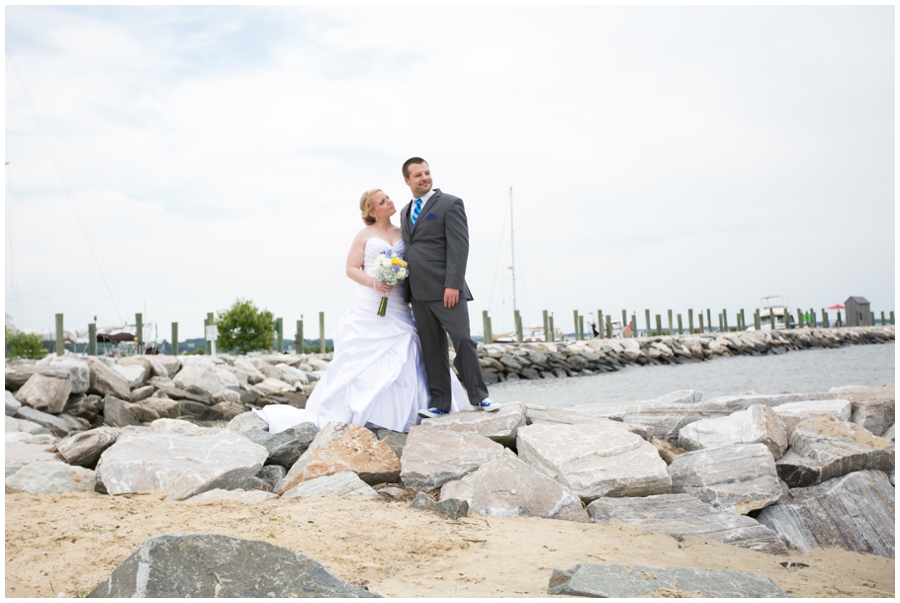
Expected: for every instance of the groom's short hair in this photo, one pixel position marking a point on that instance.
(409, 162)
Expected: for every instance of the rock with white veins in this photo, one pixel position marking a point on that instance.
(826, 448)
(873, 407)
(508, 487)
(740, 478)
(684, 515)
(854, 512)
(793, 413)
(500, 426)
(595, 460)
(180, 465)
(47, 394)
(431, 458)
(758, 424)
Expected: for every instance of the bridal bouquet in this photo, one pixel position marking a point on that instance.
(388, 268)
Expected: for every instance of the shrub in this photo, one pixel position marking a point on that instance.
(24, 345)
(244, 328)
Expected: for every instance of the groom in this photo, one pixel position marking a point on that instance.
(437, 249)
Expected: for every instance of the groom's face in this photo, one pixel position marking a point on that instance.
(419, 181)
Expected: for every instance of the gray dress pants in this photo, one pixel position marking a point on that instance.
(434, 322)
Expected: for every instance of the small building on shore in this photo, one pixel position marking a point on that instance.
(858, 313)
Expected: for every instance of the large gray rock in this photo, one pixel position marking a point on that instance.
(629, 581)
(595, 460)
(535, 414)
(85, 406)
(793, 413)
(285, 447)
(344, 447)
(165, 425)
(214, 565)
(198, 379)
(395, 441)
(291, 375)
(47, 394)
(684, 515)
(247, 421)
(245, 369)
(18, 372)
(500, 426)
(172, 364)
(873, 407)
(180, 465)
(154, 408)
(84, 448)
(758, 424)
(107, 382)
(739, 478)
(345, 483)
(12, 405)
(854, 512)
(665, 419)
(150, 367)
(508, 487)
(76, 371)
(18, 455)
(271, 386)
(826, 448)
(199, 411)
(432, 458)
(118, 413)
(135, 375)
(50, 477)
(59, 425)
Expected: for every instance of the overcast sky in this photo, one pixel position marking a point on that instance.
(170, 160)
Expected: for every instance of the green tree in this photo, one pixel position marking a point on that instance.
(244, 328)
(24, 345)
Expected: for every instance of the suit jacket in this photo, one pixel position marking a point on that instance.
(437, 248)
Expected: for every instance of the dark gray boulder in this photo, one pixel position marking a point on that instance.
(615, 581)
(116, 413)
(215, 565)
(199, 411)
(285, 447)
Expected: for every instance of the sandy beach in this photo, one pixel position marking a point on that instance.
(67, 543)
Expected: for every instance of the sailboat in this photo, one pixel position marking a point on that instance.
(529, 334)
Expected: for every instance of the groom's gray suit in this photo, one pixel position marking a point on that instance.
(437, 251)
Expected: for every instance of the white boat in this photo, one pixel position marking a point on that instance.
(773, 306)
(529, 335)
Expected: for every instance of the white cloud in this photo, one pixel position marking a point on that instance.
(681, 157)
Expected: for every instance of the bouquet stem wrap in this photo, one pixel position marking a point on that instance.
(390, 269)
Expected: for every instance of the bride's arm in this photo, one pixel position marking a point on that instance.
(355, 261)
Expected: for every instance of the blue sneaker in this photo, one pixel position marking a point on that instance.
(487, 405)
(432, 412)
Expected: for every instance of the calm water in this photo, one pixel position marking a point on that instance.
(794, 372)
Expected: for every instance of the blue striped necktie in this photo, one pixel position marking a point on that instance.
(415, 211)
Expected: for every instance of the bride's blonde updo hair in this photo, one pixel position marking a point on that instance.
(367, 205)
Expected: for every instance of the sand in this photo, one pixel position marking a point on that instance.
(67, 543)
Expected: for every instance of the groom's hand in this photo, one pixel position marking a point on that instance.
(451, 297)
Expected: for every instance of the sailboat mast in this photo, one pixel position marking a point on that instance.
(513, 244)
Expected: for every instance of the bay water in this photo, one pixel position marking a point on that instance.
(802, 371)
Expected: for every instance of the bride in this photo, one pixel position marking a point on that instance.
(377, 376)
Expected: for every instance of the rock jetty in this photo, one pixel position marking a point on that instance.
(503, 362)
(764, 472)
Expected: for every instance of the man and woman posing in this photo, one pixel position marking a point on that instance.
(388, 372)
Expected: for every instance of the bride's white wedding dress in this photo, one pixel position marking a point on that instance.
(377, 376)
